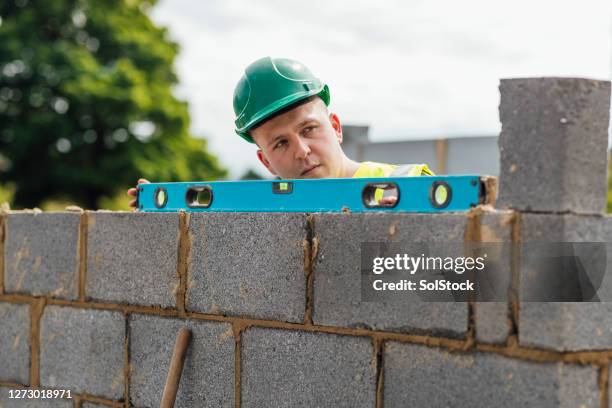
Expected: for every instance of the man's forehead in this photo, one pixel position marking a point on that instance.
(310, 111)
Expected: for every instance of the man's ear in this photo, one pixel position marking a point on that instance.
(265, 161)
(335, 122)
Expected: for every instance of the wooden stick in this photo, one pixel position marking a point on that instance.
(176, 368)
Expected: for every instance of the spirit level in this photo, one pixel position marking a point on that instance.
(399, 194)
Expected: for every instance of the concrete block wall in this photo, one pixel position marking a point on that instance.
(92, 301)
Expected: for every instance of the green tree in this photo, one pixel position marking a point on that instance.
(86, 102)
(251, 174)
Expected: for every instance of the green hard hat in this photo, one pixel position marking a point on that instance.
(269, 86)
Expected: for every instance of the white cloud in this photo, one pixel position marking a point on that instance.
(409, 69)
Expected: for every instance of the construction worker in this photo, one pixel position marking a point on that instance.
(282, 108)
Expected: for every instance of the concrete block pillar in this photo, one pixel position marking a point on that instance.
(553, 144)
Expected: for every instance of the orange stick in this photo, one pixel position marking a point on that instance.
(176, 368)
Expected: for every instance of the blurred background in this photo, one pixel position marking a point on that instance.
(95, 94)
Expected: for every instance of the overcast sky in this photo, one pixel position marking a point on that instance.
(409, 69)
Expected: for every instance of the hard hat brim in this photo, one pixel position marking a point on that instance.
(279, 105)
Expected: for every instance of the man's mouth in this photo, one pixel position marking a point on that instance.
(309, 169)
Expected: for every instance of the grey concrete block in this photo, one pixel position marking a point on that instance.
(208, 374)
(592, 238)
(542, 227)
(438, 378)
(132, 258)
(492, 320)
(553, 144)
(282, 368)
(568, 326)
(248, 264)
(565, 228)
(41, 253)
(83, 350)
(606, 228)
(609, 382)
(15, 343)
(548, 241)
(7, 402)
(337, 272)
(586, 228)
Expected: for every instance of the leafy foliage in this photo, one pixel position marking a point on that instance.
(86, 102)
(251, 174)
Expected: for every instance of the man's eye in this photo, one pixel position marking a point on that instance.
(280, 144)
(307, 129)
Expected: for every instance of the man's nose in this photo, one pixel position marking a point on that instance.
(302, 149)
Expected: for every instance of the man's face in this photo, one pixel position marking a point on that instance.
(303, 142)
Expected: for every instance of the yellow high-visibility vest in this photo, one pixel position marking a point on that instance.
(373, 169)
